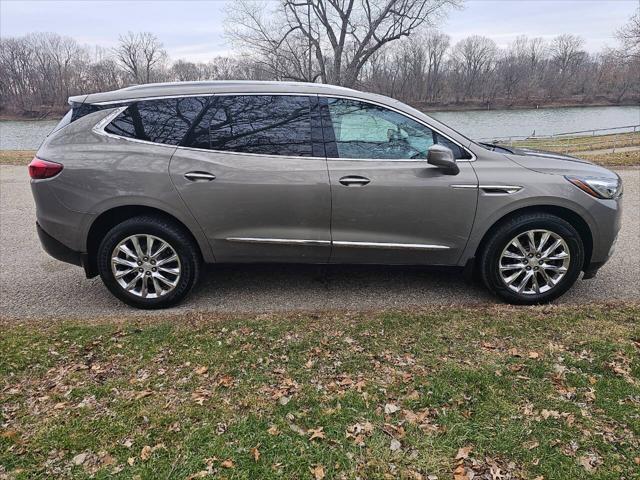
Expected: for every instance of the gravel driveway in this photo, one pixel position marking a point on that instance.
(32, 284)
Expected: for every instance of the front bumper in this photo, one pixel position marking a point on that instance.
(61, 252)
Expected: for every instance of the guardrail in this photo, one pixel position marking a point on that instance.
(581, 140)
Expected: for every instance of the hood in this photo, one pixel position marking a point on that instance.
(556, 163)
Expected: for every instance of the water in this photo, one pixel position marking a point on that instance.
(480, 124)
(24, 135)
(488, 124)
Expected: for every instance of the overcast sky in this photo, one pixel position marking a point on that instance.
(194, 29)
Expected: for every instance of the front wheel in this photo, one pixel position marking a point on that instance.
(148, 262)
(532, 259)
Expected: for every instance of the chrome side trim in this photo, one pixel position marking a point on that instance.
(500, 189)
(403, 246)
(464, 185)
(291, 241)
(279, 241)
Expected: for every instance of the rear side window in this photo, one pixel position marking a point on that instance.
(260, 124)
(164, 121)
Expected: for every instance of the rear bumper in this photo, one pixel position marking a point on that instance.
(61, 252)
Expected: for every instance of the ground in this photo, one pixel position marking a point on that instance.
(539, 392)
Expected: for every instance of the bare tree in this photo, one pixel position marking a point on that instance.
(629, 36)
(474, 58)
(337, 37)
(140, 55)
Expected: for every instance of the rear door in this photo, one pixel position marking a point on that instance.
(257, 184)
(389, 205)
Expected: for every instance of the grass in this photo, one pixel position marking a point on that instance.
(550, 392)
(582, 143)
(617, 159)
(16, 157)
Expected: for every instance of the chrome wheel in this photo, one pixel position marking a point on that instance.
(145, 266)
(534, 262)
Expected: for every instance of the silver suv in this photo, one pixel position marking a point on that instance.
(144, 184)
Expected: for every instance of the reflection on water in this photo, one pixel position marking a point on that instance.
(479, 124)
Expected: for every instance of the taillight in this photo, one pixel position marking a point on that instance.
(39, 169)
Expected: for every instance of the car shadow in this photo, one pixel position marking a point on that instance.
(277, 287)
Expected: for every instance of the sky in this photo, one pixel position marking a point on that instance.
(194, 30)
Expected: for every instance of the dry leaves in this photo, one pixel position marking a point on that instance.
(318, 472)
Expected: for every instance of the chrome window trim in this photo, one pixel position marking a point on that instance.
(327, 95)
(339, 243)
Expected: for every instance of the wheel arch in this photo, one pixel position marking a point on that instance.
(565, 213)
(115, 215)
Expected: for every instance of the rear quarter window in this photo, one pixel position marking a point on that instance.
(165, 121)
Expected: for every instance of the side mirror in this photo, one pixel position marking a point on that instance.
(442, 157)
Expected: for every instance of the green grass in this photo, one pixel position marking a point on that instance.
(535, 392)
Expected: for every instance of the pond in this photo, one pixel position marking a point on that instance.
(477, 124)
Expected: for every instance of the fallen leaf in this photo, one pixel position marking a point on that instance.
(316, 433)
(145, 454)
(256, 453)
(318, 472)
(534, 355)
(143, 394)
(227, 464)
(202, 370)
(131, 461)
(395, 445)
(79, 459)
(273, 430)
(530, 445)
(463, 453)
(391, 408)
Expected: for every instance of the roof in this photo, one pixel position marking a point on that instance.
(169, 89)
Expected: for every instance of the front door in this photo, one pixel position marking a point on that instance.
(389, 205)
(249, 175)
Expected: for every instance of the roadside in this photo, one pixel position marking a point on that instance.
(547, 392)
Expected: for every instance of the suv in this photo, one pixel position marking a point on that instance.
(145, 184)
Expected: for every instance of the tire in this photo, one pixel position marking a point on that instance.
(553, 274)
(162, 281)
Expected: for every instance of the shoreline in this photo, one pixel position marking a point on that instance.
(466, 107)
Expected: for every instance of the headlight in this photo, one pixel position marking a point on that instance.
(598, 187)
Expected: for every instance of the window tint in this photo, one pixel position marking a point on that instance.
(364, 130)
(160, 121)
(263, 124)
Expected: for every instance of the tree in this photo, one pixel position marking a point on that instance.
(140, 55)
(327, 39)
(629, 36)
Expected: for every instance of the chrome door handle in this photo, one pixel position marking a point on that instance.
(354, 180)
(195, 176)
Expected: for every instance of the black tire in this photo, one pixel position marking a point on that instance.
(168, 231)
(490, 256)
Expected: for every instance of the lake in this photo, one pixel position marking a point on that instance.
(477, 124)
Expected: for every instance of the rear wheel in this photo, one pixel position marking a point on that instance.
(148, 262)
(532, 258)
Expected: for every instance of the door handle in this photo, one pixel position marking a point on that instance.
(195, 176)
(354, 181)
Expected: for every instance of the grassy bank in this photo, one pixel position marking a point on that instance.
(549, 392)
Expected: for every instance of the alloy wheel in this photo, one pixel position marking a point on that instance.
(145, 266)
(534, 262)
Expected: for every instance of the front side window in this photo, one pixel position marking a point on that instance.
(363, 130)
(259, 124)
(160, 121)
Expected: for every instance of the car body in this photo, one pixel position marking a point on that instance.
(308, 173)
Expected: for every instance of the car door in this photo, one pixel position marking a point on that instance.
(249, 174)
(388, 204)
